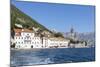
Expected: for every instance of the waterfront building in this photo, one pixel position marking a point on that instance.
(25, 38)
(58, 42)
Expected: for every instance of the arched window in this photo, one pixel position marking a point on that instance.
(31, 46)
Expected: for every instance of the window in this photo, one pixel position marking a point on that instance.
(19, 46)
(37, 42)
(32, 42)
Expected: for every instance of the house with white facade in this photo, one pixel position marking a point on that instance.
(25, 38)
(58, 42)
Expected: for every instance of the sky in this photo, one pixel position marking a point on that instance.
(60, 17)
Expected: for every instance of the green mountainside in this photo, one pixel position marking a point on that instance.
(18, 17)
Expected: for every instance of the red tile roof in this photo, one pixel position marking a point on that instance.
(22, 30)
(18, 30)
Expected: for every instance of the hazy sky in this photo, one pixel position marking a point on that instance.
(60, 17)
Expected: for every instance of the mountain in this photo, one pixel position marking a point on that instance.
(20, 18)
(89, 37)
(86, 36)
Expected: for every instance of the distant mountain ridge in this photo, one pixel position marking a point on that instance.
(89, 37)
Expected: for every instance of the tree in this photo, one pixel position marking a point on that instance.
(58, 34)
(13, 46)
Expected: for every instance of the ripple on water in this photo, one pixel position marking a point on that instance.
(51, 56)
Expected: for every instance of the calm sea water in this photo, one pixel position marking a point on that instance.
(51, 56)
